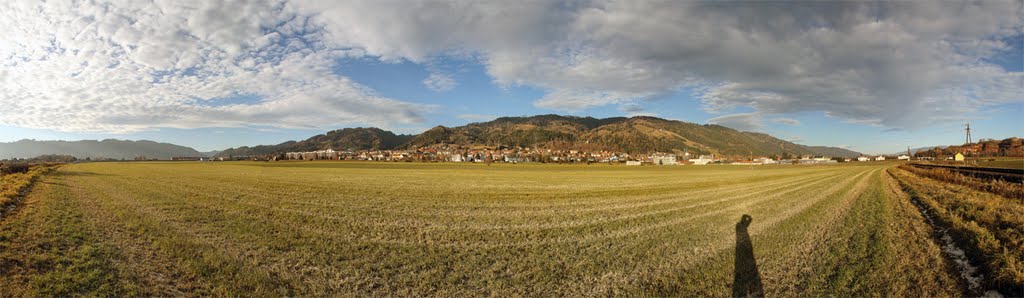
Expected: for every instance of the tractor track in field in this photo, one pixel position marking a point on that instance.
(237, 255)
(160, 277)
(229, 229)
(590, 237)
(801, 259)
(461, 243)
(210, 235)
(510, 211)
(406, 222)
(226, 210)
(619, 216)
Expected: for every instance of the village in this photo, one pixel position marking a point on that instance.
(531, 155)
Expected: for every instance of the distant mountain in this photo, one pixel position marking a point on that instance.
(256, 150)
(637, 134)
(109, 148)
(834, 151)
(209, 153)
(359, 138)
(634, 135)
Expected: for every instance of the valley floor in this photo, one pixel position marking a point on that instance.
(414, 229)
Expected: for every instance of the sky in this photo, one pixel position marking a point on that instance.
(875, 77)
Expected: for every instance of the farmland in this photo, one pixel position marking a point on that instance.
(316, 228)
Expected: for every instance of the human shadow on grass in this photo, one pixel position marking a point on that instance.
(746, 280)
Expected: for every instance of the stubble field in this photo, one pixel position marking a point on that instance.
(316, 228)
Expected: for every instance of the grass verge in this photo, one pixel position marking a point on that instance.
(989, 227)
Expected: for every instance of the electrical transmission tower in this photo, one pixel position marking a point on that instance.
(968, 129)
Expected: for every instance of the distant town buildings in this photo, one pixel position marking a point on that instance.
(663, 159)
(481, 154)
(703, 160)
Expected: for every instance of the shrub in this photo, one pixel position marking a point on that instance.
(13, 168)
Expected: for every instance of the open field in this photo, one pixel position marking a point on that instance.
(314, 228)
(1002, 162)
(989, 162)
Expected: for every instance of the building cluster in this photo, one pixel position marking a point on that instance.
(507, 155)
(520, 154)
(881, 158)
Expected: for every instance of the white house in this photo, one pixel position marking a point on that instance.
(903, 157)
(663, 159)
(880, 158)
(703, 159)
(457, 158)
(863, 158)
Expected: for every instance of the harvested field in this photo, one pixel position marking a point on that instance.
(415, 229)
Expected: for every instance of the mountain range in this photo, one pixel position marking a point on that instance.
(371, 138)
(109, 148)
(639, 134)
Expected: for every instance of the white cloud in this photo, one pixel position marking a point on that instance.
(476, 117)
(739, 121)
(787, 121)
(133, 65)
(439, 82)
(633, 109)
(902, 64)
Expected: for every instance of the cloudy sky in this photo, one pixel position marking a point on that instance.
(873, 77)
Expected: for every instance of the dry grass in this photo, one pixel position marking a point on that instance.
(1007, 189)
(989, 227)
(323, 228)
(15, 182)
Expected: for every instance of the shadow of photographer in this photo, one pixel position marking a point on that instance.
(747, 279)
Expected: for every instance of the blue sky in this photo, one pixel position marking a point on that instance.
(874, 83)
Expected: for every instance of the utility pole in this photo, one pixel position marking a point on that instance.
(966, 151)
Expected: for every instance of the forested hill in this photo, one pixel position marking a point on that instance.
(109, 148)
(634, 135)
(359, 138)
